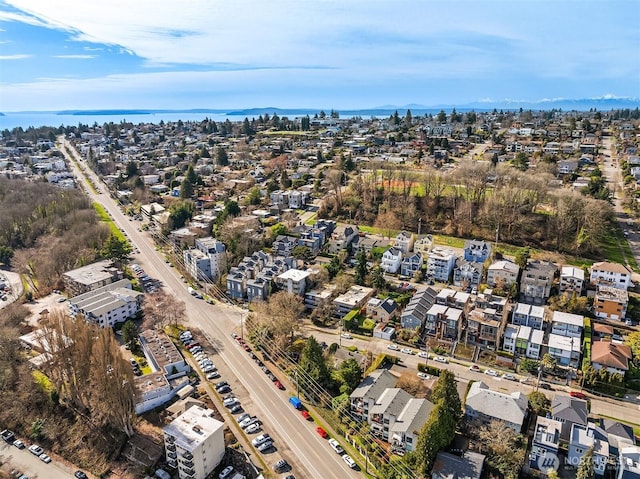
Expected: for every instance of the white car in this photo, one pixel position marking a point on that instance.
(229, 402)
(213, 375)
(208, 369)
(441, 359)
(350, 462)
(424, 376)
(253, 428)
(423, 354)
(346, 336)
(407, 351)
(44, 458)
(261, 439)
(509, 377)
(226, 472)
(335, 445)
(35, 449)
(393, 347)
(491, 372)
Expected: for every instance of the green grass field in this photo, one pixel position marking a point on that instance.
(104, 216)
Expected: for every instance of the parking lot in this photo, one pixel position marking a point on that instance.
(10, 288)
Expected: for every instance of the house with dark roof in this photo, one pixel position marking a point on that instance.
(619, 435)
(612, 356)
(467, 273)
(537, 279)
(476, 251)
(411, 264)
(382, 309)
(415, 313)
(569, 411)
(451, 466)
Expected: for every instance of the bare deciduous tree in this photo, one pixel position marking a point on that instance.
(162, 309)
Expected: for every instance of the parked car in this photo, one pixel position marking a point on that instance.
(224, 389)
(423, 375)
(279, 385)
(236, 409)
(578, 394)
(45, 458)
(474, 367)
(346, 336)
(8, 435)
(213, 375)
(35, 449)
(349, 460)
(509, 377)
(530, 381)
(545, 386)
(19, 444)
(252, 428)
(226, 472)
(260, 439)
(423, 354)
(265, 446)
(230, 402)
(281, 466)
(441, 359)
(335, 445)
(80, 475)
(491, 372)
(393, 347)
(321, 432)
(407, 351)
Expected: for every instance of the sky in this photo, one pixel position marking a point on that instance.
(342, 54)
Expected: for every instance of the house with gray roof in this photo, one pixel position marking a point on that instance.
(385, 410)
(583, 438)
(407, 426)
(484, 405)
(369, 390)
(415, 313)
(451, 466)
(569, 411)
(545, 443)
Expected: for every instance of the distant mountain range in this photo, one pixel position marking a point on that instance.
(585, 104)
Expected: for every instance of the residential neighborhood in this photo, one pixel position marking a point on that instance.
(279, 229)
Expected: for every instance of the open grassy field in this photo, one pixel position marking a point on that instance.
(104, 216)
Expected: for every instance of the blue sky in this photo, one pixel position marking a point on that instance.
(83, 54)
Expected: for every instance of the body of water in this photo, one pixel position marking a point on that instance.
(35, 119)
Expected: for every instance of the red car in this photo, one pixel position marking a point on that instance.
(577, 394)
(322, 432)
(279, 385)
(305, 414)
(247, 348)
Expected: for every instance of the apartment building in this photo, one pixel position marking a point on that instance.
(194, 443)
(91, 277)
(440, 263)
(108, 305)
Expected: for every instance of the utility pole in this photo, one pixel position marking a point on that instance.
(419, 226)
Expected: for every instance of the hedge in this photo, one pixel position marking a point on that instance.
(432, 370)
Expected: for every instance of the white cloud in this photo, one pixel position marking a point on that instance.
(75, 57)
(19, 56)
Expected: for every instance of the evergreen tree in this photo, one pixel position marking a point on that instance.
(116, 249)
(221, 157)
(377, 278)
(361, 267)
(313, 364)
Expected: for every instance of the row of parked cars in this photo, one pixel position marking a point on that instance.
(147, 283)
(262, 366)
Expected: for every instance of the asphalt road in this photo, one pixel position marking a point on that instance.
(295, 438)
(626, 411)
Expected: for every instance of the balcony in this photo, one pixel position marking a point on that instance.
(172, 463)
(188, 464)
(169, 438)
(189, 472)
(187, 455)
(171, 447)
(172, 455)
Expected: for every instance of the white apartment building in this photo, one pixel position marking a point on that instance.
(108, 305)
(205, 260)
(440, 263)
(616, 274)
(194, 443)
